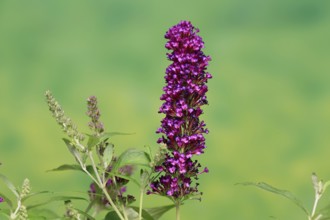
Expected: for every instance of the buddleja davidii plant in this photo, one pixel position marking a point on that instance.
(109, 173)
(183, 131)
(319, 190)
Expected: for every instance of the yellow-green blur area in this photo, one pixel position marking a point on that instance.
(269, 99)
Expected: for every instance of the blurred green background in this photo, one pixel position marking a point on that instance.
(269, 112)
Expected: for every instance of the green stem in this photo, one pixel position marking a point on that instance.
(124, 211)
(178, 210)
(141, 204)
(14, 215)
(100, 183)
(96, 209)
(112, 203)
(122, 205)
(317, 197)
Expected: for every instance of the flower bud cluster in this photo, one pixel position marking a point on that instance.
(22, 213)
(65, 122)
(71, 212)
(94, 114)
(26, 188)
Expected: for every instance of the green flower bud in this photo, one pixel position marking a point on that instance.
(22, 213)
(71, 213)
(26, 188)
(65, 122)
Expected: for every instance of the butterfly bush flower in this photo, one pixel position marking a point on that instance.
(183, 131)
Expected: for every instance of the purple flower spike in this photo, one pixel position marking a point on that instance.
(184, 95)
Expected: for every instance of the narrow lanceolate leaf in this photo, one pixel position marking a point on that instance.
(73, 167)
(4, 214)
(85, 214)
(107, 155)
(92, 141)
(325, 186)
(34, 194)
(144, 178)
(43, 214)
(65, 167)
(9, 185)
(54, 199)
(145, 214)
(284, 193)
(325, 212)
(130, 178)
(111, 134)
(132, 157)
(7, 200)
(157, 212)
(149, 153)
(77, 155)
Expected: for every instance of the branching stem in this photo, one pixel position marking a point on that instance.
(317, 198)
(14, 215)
(100, 183)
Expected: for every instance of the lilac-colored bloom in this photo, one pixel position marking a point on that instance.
(1, 199)
(184, 95)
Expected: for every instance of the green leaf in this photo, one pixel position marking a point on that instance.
(126, 178)
(112, 216)
(111, 134)
(325, 186)
(157, 212)
(73, 167)
(149, 153)
(145, 214)
(107, 155)
(7, 200)
(325, 211)
(66, 167)
(132, 157)
(10, 185)
(54, 199)
(144, 178)
(5, 214)
(84, 214)
(43, 214)
(284, 193)
(34, 194)
(131, 214)
(92, 141)
(72, 148)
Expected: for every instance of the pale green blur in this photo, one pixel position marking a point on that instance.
(269, 112)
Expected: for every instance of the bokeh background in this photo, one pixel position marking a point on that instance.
(269, 112)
